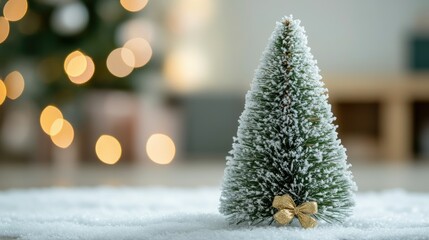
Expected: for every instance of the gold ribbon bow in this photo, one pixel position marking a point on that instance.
(288, 210)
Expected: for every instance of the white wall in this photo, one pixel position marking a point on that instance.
(366, 36)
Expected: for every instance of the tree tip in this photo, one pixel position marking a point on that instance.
(287, 20)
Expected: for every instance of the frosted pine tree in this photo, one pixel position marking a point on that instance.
(286, 140)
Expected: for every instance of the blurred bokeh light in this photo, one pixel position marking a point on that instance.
(4, 29)
(108, 149)
(86, 74)
(48, 116)
(133, 5)
(160, 148)
(14, 10)
(141, 50)
(15, 85)
(121, 62)
(70, 18)
(75, 64)
(3, 92)
(62, 133)
(185, 69)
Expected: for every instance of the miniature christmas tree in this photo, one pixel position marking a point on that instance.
(287, 153)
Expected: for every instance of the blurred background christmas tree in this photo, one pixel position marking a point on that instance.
(65, 50)
(50, 30)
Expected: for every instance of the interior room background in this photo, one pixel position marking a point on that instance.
(174, 112)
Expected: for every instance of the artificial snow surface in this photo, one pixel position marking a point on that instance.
(161, 213)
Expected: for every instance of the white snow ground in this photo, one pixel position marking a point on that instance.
(162, 213)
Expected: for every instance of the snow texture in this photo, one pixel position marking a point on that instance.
(286, 140)
(186, 214)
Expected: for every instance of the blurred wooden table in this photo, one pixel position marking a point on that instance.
(395, 95)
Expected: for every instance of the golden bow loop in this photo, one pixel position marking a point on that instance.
(288, 210)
